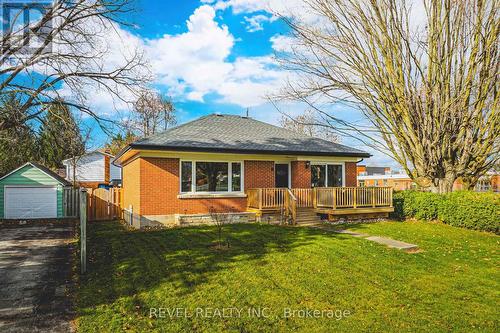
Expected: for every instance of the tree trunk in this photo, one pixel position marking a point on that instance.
(469, 183)
(443, 185)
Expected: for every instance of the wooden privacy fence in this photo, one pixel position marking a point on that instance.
(104, 204)
(71, 203)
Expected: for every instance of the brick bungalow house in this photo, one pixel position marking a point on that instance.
(228, 163)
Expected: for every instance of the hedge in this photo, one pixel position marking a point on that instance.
(480, 211)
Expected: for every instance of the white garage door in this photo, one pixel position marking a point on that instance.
(30, 202)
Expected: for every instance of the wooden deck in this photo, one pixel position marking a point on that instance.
(333, 201)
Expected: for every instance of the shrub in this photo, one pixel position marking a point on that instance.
(420, 205)
(480, 211)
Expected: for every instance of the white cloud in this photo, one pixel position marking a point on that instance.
(195, 63)
(256, 22)
(282, 43)
(239, 6)
(251, 6)
(190, 65)
(194, 59)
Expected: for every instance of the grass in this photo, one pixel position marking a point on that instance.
(452, 285)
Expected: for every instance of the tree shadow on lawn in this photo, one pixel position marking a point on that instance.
(124, 263)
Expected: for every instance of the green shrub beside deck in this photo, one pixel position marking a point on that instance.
(472, 210)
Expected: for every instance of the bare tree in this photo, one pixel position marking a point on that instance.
(429, 91)
(307, 123)
(67, 50)
(220, 219)
(151, 113)
(74, 161)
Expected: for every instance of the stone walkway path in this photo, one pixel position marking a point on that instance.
(389, 242)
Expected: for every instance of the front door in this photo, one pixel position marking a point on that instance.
(281, 175)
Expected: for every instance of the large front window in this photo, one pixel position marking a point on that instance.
(326, 175)
(210, 176)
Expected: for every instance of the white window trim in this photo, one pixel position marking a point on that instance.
(230, 177)
(326, 172)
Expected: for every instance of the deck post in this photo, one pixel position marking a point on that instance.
(334, 198)
(391, 190)
(373, 197)
(314, 194)
(260, 198)
(355, 196)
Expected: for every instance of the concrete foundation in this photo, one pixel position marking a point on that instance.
(182, 220)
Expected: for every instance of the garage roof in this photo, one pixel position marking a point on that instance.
(42, 168)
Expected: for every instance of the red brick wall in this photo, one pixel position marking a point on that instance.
(160, 188)
(259, 174)
(360, 169)
(301, 176)
(350, 174)
(153, 183)
(495, 183)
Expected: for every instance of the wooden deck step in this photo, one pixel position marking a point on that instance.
(307, 216)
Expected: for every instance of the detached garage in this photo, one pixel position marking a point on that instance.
(31, 192)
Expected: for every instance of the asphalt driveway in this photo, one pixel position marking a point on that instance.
(35, 277)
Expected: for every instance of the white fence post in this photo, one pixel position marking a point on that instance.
(83, 230)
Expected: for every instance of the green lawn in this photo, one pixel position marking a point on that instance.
(452, 285)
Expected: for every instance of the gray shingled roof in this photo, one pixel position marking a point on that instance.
(229, 133)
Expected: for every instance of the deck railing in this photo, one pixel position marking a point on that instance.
(266, 198)
(353, 197)
(304, 196)
(321, 197)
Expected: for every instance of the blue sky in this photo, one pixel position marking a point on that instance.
(214, 56)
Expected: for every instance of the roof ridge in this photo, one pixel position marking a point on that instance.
(173, 128)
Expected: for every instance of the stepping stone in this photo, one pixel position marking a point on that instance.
(393, 243)
(351, 233)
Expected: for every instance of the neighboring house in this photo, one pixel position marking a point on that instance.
(364, 170)
(384, 176)
(30, 192)
(228, 163)
(488, 182)
(93, 170)
(398, 181)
